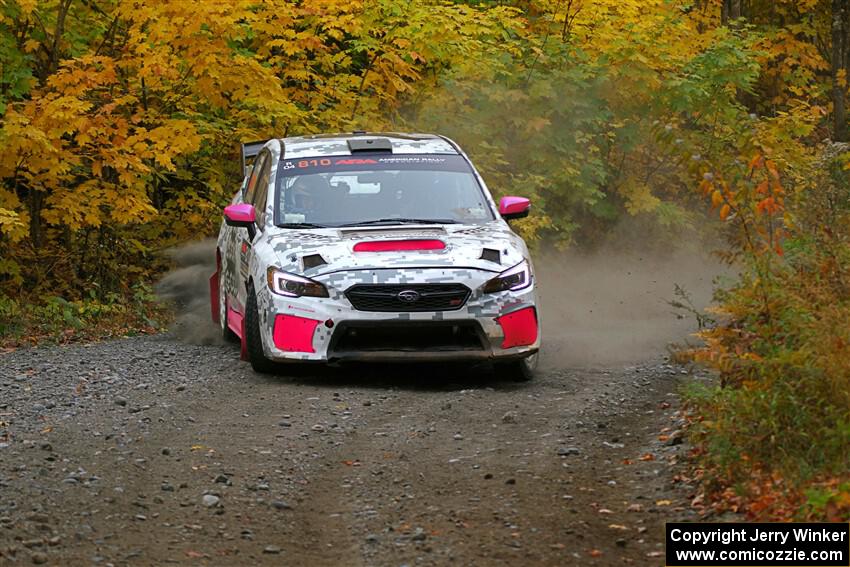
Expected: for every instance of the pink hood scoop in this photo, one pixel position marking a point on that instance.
(399, 245)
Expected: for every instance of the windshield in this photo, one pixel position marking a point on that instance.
(378, 189)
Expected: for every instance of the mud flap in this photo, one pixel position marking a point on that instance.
(214, 298)
(243, 343)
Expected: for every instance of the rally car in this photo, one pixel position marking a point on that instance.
(380, 247)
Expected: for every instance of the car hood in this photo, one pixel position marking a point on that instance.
(492, 247)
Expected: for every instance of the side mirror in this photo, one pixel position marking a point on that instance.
(514, 207)
(242, 215)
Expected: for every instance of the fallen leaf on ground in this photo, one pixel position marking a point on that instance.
(594, 553)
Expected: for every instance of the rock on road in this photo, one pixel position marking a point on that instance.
(146, 451)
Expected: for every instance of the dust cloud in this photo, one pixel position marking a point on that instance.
(611, 307)
(602, 308)
(187, 288)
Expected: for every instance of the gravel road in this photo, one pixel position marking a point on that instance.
(147, 451)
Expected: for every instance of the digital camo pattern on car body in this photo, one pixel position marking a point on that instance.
(471, 249)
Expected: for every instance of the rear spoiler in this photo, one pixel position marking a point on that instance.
(249, 152)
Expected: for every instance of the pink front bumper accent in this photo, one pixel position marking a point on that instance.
(294, 334)
(520, 327)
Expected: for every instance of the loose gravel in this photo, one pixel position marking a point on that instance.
(147, 451)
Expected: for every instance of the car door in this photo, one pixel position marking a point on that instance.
(255, 194)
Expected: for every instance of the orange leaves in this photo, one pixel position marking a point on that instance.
(756, 162)
(753, 201)
(769, 206)
(174, 138)
(721, 197)
(716, 198)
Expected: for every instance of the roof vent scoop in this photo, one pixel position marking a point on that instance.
(313, 260)
(357, 145)
(491, 255)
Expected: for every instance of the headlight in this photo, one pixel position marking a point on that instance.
(515, 278)
(291, 285)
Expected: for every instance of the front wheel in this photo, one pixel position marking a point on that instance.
(253, 338)
(521, 370)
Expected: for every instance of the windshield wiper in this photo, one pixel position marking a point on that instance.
(401, 221)
(301, 225)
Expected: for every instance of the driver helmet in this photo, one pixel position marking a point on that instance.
(302, 199)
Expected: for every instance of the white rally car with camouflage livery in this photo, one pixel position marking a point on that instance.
(373, 247)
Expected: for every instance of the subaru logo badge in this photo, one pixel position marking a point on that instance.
(408, 296)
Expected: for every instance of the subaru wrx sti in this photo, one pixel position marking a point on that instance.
(373, 247)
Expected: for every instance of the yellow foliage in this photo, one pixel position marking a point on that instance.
(11, 225)
(129, 130)
(639, 198)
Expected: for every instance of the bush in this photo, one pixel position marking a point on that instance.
(783, 352)
(55, 319)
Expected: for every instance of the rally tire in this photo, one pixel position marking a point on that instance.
(521, 370)
(253, 338)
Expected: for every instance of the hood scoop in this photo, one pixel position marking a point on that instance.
(312, 261)
(491, 255)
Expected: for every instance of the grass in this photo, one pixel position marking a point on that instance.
(55, 320)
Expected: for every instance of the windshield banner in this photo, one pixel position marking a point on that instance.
(373, 162)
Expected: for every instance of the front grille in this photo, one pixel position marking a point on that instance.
(395, 336)
(420, 297)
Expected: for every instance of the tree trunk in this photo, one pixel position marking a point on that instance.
(840, 40)
(57, 34)
(731, 10)
(34, 204)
